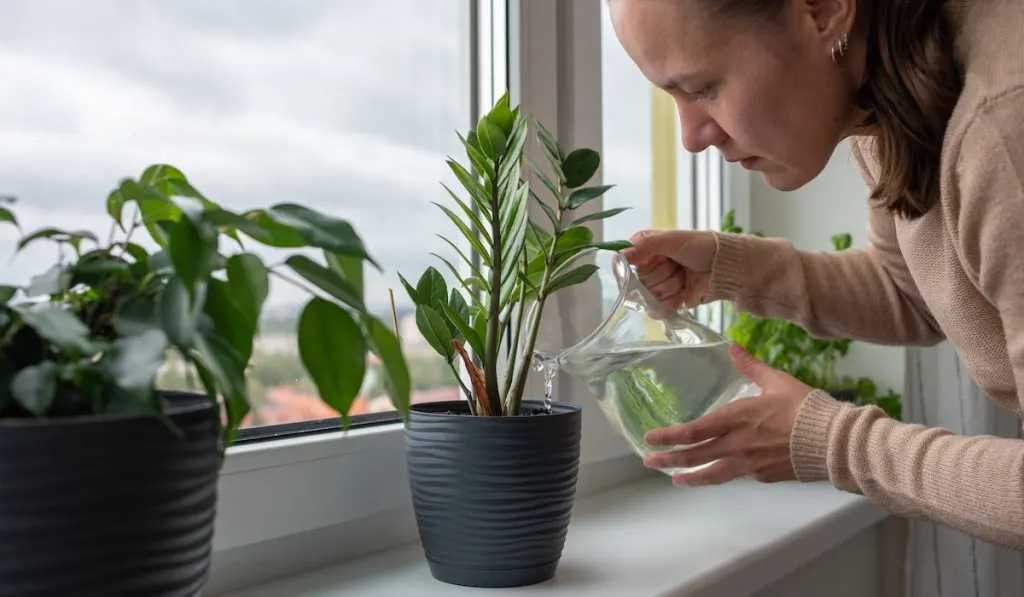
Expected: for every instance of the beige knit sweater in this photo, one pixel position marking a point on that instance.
(956, 274)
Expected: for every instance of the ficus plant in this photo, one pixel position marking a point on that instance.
(88, 336)
(786, 346)
(521, 263)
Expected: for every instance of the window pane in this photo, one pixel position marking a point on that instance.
(348, 107)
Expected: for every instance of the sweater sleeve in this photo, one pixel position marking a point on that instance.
(862, 293)
(974, 484)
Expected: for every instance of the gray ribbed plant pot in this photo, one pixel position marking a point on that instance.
(109, 506)
(493, 495)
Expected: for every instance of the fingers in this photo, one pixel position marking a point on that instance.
(711, 425)
(692, 456)
(721, 471)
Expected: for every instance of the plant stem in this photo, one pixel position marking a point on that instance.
(465, 389)
(493, 315)
(514, 352)
(516, 399)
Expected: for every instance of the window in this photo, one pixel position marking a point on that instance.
(350, 107)
(664, 186)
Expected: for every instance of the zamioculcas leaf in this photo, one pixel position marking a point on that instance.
(492, 139)
(571, 278)
(598, 216)
(59, 326)
(461, 322)
(248, 283)
(413, 295)
(35, 387)
(432, 289)
(580, 166)
(435, 331)
(326, 280)
(396, 373)
(581, 196)
(333, 351)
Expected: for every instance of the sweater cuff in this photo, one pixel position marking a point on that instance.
(808, 444)
(727, 268)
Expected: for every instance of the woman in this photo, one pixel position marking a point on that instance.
(932, 95)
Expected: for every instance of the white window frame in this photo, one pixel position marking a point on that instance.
(291, 505)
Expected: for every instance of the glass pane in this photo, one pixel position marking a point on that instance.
(348, 107)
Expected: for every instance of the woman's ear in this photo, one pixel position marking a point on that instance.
(831, 18)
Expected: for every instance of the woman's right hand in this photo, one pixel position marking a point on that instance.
(675, 265)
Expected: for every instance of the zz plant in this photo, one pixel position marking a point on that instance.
(521, 263)
(88, 336)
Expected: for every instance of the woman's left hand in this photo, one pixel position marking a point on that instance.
(747, 437)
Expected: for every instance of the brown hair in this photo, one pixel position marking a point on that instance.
(911, 85)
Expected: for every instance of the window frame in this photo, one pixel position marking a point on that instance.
(303, 500)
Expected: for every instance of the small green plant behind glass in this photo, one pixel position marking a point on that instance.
(521, 262)
(786, 346)
(87, 336)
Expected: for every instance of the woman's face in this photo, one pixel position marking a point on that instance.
(766, 94)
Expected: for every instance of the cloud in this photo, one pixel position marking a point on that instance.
(349, 107)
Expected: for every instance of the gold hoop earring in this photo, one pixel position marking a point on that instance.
(840, 47)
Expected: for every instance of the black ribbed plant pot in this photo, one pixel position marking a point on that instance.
(109, 506)
(493, 495)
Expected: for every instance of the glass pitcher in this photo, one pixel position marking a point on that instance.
(647, 366)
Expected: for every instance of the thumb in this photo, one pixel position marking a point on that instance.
(651, 245)
(757, 371)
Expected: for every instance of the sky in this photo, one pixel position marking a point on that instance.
(347, 107)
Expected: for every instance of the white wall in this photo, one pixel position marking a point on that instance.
(834, 202)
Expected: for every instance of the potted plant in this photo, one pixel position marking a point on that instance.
(493, 476)
(786, 346)
(108, 485)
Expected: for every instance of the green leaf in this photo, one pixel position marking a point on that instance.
(413, 295)
(137, 317)
(193, 252)
(431, 288)
(57, 235)
(326, 280)
(457, 308)
(259, 226)
(435, 331)
(348, 267)
(552, 150)
(478, 224)
(472, 237)
(492, 139)
(35, 387)
(460, 319)
(133, 361)
(56, 324)
(580, 166)
(228, 319)
(333, 351)
(571, 278)
(322, 231)
(479, 161)
(581, 196)
(601, 215)
(227, 371)
(556, 226)
(612, 245)
(7, 216)
(7, 293)
(388, 349)
(179, 315)
(501, 115)
(473, 186)
(248, 284)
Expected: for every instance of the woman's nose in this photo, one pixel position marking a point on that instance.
(699, 131)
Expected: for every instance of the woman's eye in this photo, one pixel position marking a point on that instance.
(702, 94)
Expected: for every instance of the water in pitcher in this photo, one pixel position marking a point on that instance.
(656, 384)
(648, 367)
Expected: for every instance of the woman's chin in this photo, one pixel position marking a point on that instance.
(784, 179)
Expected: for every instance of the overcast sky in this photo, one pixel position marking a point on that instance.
(347, 106)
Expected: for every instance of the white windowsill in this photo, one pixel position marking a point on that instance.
(644, 538)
